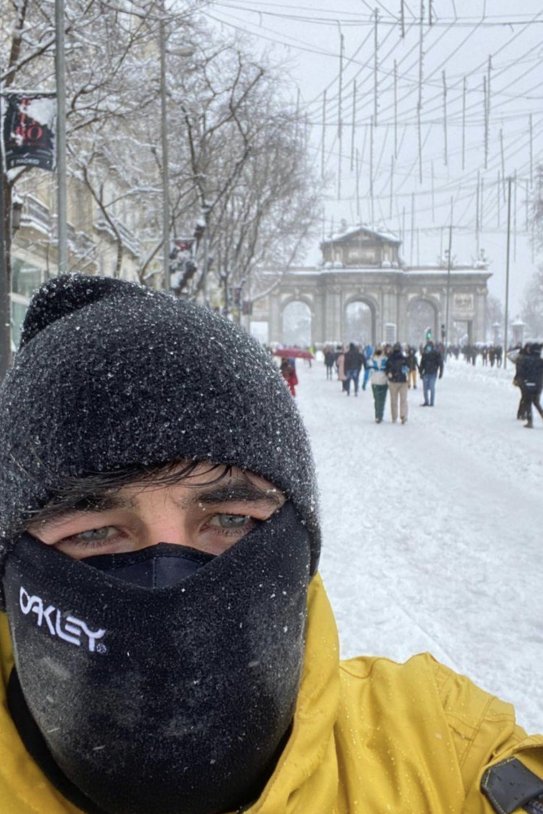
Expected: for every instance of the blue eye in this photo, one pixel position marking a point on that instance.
(93, 536)
(232, 521)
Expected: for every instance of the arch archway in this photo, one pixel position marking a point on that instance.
(359, 322)
(422, 314)
(296, 323)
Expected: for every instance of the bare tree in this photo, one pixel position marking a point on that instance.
(236, 152)
(247, 164)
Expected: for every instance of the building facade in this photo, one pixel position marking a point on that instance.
(93, 243)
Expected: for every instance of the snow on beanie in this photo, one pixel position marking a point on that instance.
(110, 374)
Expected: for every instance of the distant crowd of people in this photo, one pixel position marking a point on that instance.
(489, 354)
(394, 369)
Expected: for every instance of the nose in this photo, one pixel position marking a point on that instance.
(162, 521)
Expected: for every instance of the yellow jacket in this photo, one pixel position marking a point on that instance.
(369, 737)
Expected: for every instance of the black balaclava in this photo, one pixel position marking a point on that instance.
(176, 697)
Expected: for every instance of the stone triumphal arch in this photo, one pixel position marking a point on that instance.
(362, 291)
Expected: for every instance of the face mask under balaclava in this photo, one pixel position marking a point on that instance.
(161, 699)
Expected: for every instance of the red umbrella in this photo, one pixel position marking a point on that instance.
(293, 353)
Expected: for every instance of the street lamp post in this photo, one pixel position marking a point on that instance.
(62, 228)
(165, 158)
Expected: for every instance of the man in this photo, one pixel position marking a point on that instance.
(515, 355)
(329, 361)
(529, 373)
(397, 369)
(354, 360)
(167, 646)
(431, 364)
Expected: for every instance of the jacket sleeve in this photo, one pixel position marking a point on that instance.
(485, 732)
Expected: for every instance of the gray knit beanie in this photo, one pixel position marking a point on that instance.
(111, 374)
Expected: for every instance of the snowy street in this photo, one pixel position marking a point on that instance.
(433, 531)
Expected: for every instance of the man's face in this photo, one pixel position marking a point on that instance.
(204, 515)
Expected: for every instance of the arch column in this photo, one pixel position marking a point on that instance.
(318, 320)
(275, 319)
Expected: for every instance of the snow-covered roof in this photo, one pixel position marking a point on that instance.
(360, 228)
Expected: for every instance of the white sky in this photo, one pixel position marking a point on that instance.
(433, 530)
(456, 49)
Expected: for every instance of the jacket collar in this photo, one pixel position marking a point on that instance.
(306, 776)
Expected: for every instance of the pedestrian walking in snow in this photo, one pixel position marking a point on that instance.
(368, 355)
(413, 367)
(431, 366)
(530, 375)
(397, 369)
(288, 372)
(340, 363)
(354, 361)
(515, 355)
(329, 361)
(167, 645)
(379, 383)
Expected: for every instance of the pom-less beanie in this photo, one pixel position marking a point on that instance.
(110, 375)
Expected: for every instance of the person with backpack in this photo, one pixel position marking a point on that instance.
(397, 369)
(379, 383)
(529, 373)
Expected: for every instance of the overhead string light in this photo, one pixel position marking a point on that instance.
(339, 113)
(357, 185)
(531, 152)
(502, 157)
(498, 199)
(376, 68)
(421, 76)
(477, 212)
(323, 141)
(445, 141)
(515, 216)
(395, 109)
(433, 195)
(371, 169)
(464, 90)
(353, 127)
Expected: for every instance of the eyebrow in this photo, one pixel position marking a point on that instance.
(238, 489)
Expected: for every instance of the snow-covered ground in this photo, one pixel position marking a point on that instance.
(433, 531)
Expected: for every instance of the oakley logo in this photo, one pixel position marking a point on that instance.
(69, 628)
